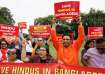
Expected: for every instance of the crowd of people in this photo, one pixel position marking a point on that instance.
(37, 51)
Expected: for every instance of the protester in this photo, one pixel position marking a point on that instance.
(40, 42)
(14, 43)
(88, 44)
(68, 53)
(43, 56)
(95, 57)
(28, 47)
(12, 56)
(18, 47)
(3, 50)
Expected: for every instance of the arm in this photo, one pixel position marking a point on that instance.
(86, 57)
(23, 53)
(85, 61)
(51, 48)
(54, 35)
(81, 37)
(30, 37)
(33, 50)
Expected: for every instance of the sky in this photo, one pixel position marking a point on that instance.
(28, 10)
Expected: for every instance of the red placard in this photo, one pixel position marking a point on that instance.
(95, 32)
(27, 68)
(6, 30)
(40, 31)
(22, 25)
(67, 10)
(10, 33)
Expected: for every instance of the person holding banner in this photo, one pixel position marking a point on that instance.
(3, 50)
(68, 53)
(36, 46)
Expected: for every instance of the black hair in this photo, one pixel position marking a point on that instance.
(3, 39)
(47, 49)
(15, 52)
(100, 48)
(100, 40)
(66, 35)
(87, 43)
(33, 44)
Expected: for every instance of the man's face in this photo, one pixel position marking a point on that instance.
(66, 41)
(101, 48)
(40, 42)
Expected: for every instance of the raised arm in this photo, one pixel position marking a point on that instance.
(54, 35)
(33, 50)
(23, 53)
(81, 36)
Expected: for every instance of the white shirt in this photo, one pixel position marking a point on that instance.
(29, 46)
(17, 61)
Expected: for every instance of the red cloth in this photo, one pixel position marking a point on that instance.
(4, 52)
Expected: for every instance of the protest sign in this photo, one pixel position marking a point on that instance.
(95, 32)
(67, 10)
(40, 31)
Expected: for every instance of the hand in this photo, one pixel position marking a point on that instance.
(36, 45)
(53, 20)
(60, 62)
(24, 44)
(53, 24)
(78, 19)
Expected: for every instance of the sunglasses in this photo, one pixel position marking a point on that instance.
(40, 40)
(3, 44)
(10, 53)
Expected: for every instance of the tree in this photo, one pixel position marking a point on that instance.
(93, 18)
(44, 20)
(6, 16)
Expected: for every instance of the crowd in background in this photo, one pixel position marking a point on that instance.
(38, 50)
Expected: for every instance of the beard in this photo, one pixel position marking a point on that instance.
(101, 50)
(66, 45)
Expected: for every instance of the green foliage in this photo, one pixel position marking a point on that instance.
(5, 16)
(44, 21)
(93, 18)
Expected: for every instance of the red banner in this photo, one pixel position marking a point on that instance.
(40, 31)
(27, 68)
(22, 25)
(6, 30)
(10, 33)
(95, 32)
(67, 10)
